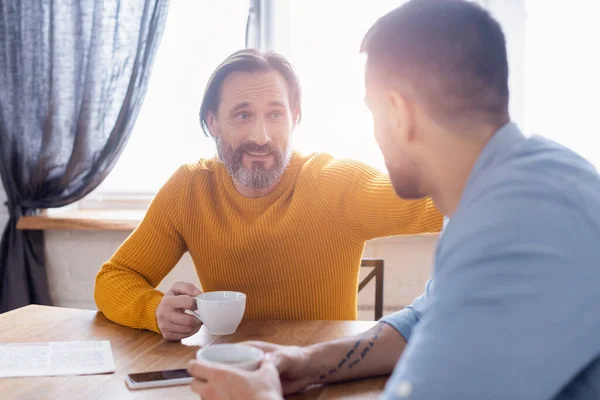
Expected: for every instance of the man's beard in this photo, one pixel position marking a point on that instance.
(258, 177)
(404, 173)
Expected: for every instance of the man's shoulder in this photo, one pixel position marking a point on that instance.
(537, 170)
(538, 193)
(314, 160)
(324, 164)
(538, 156)
(201, 173)
(202, 168)
(204, 165)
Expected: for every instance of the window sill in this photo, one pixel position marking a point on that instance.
(84, 219)
(124, 213)
(108, 219)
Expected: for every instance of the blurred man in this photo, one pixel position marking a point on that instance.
(512, 309)
(286, 229)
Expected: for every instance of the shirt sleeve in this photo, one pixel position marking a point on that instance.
(512, 314)
(363, 202)
(405, 320)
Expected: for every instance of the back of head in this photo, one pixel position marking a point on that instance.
(448, 55)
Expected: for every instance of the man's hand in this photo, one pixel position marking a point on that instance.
(293, 365)
(223, 382)
(372, 353)
(173, 322)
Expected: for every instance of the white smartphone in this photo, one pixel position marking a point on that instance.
(154, 379)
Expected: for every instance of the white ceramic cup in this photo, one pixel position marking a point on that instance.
(236, 355)
(220, 312)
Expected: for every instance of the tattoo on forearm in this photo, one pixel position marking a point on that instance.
(350, 353)
(364, 352)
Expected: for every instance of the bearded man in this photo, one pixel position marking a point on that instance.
(286, 229)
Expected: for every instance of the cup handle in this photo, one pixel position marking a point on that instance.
(195, 314)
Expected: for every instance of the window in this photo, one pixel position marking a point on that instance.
(562, 67)
(198, 35)
(553, 77)
(324, 43)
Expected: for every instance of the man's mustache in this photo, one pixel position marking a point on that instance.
(254, 147)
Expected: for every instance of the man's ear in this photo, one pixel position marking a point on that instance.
(401, 116)
(211, 121)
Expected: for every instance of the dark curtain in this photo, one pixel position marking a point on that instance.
(73, 74)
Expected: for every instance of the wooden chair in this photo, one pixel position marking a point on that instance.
(377, 273)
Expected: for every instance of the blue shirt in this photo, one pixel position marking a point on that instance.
(513, 308)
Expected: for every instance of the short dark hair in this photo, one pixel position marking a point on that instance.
(450, 53)
(249, 60)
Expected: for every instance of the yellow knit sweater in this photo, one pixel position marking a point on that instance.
(295, 252)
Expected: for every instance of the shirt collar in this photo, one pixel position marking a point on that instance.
(504, 138)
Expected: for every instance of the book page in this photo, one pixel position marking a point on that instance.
(55, 358)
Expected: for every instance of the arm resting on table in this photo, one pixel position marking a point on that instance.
(372, 353)
(125, 286)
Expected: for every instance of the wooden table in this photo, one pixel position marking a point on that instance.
(139, 351)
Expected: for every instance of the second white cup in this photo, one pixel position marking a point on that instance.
(236, 355)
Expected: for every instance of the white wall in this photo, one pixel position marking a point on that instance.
(74, 258)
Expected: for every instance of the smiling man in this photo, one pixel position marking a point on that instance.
(286, 229)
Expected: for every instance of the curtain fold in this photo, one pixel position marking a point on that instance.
(73, 75)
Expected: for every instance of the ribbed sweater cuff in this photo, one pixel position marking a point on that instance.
(148, 311)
